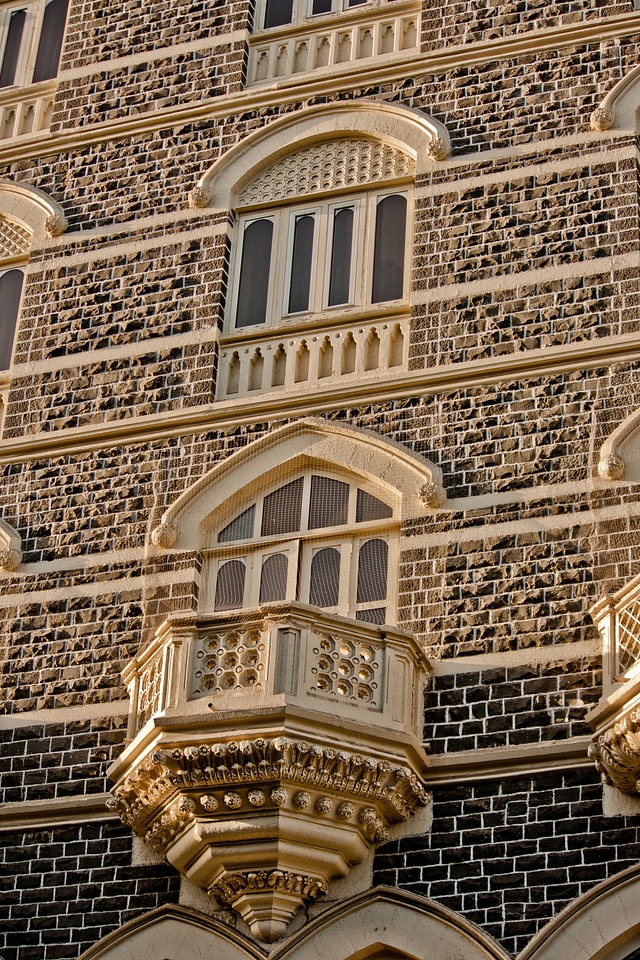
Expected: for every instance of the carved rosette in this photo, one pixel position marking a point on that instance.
(616, 753)
(432, 496)
(602, 119)
(248, 813)
(611, 467)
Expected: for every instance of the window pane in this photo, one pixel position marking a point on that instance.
(50, 46)
(329, 503)
(239, 529)
(254, 273)
(282, 509)
(341, 256)
(388, 257)
(12, 48)
(325, 578)
(10, 290)
(372, 571)
(301, 264)
(273, 580)
(230, 586)
(278, 12)
(321, 6)
(376, 615)
(370, 508)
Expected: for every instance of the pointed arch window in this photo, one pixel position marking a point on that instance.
(318, 539)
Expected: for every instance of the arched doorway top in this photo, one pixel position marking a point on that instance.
(603, 924)
(43, 216)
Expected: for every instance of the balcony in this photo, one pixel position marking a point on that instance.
(334, 41)
(270, 750)
(26, 110)
(313, 358)
(616, 718)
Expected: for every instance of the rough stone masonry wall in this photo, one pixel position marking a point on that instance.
(509, 854)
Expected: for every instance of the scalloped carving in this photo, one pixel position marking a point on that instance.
(327, 167)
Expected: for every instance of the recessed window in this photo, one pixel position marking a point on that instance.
(278, 13)
(318, 539)
(332, 255)
(10, 293)
(31, 36)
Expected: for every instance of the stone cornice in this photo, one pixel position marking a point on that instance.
(448, 377)
(297, 89)
(499, 762)
(36, 814)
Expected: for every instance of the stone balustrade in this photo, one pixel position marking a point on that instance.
(315, 357)
(341, 39)
(26, 110)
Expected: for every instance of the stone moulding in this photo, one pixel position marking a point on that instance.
(619, 105)
(32, 207)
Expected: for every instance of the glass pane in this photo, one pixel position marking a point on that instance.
(370, 508)
(254, 273)
(282, 509)
(341, 256)
(239, 529)
(376, 615)
(10, 290)
(388, 256)
(278, 12)
(372, 571)
(301, 264)
(50, 46)
(325, 578)
(273, 580)
(329, 503)
(230, 586)
(356, 3)
(321, 6)
(12, 48)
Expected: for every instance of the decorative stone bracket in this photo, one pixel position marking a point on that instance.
(10, 548)
(271, 750)
(616, 718)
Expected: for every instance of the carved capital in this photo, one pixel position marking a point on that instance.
(602, 119)
(432, 495)
(10, 559)
(164, 535)
(616, 753)
(438, 150)
(199, 198)
(611, 467)
(55, 224)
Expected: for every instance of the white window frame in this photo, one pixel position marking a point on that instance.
(302, 544)
(302, 12)
(365, 204)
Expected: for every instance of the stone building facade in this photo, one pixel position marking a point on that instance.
(319, 335)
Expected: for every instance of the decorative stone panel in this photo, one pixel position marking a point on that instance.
(270, 750)
(328, 167)
(26, 110)
(15, 240)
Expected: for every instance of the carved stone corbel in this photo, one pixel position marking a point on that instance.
(616, 753)
(10, 548)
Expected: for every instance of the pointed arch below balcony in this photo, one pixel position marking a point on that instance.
(603, 924)
(32, 208)
(401, 128)
(381, 923)
(620, 452)
(413, 481)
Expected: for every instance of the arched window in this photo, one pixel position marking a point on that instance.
(319, 539)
